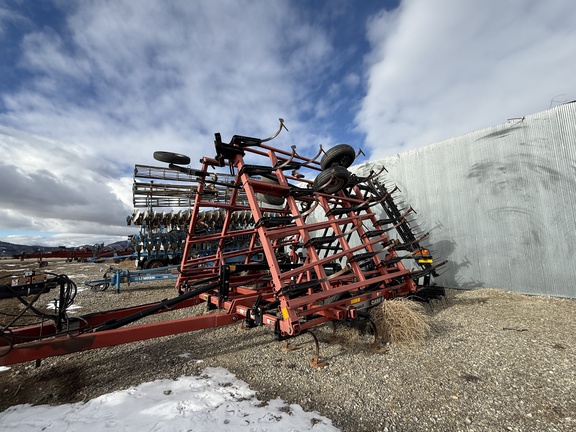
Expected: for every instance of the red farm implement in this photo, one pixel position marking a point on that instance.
(97, 253)
(265, 246)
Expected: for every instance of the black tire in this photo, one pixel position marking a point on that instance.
(332, 180)
(154, 263)
(173, 158)
(100, 287)
(342, 155)
(270, 199)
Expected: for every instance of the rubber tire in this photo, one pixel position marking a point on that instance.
(154, 263)
(270, 199)
(342, 177)
(100, 287)
(342, 155)
(172, 158)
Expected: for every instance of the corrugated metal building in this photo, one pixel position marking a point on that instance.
(500, 203)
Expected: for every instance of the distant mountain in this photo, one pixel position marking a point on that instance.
(11, 249)
(119, 245)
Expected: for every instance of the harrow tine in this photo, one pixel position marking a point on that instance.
(221, 216)
(357, 226)
(389, 193)
(339, 273)
(185, 216)
(285, 163)
(277, 132)
(314, 361)
(286, 346)
(307, 212)
(320, 151)
(330, 180)
(375, 346)
(169, 217)
(246, 216)
(372, 173)
(235, 218)
(402, 221)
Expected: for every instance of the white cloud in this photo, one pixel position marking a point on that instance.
(8, 17)
(440, 68)
(129, 79)
(124, 79)
(68, 239)
(173, 71)
(48, 186)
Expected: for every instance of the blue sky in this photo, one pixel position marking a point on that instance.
(90, 88)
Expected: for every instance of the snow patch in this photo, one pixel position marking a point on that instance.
(216, 400)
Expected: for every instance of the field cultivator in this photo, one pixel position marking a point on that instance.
(266, 246)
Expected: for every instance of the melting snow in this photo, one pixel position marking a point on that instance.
(214, 401)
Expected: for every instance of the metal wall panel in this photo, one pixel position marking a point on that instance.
(500, 203)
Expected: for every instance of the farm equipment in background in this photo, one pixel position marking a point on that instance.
(114, 277)
(163, 199)
(97, 253)
(284, 251)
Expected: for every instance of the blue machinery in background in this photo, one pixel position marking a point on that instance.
(115, 277)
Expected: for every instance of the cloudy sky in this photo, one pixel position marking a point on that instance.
(90, 88)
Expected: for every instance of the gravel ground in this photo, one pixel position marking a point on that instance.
(495, 361)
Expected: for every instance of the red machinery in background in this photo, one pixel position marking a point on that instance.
(95, 253)
(284, 251)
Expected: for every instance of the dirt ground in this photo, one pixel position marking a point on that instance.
(494, 360)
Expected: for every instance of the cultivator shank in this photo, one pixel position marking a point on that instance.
(270, 247)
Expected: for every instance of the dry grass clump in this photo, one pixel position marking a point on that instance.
(401, 321)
